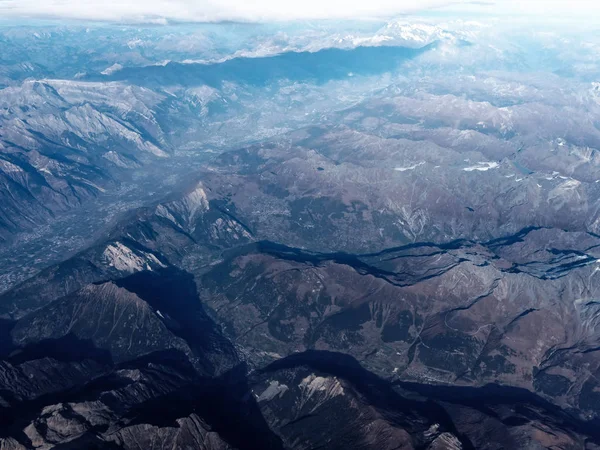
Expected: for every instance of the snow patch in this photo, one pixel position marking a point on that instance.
(404, 169)
(482, 166)
(112, 69)
(274, 390)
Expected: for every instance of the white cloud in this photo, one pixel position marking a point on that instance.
(265, 10)
(211, 10)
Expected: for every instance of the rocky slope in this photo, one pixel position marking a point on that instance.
(63, 143)
(341, 189)
(418, 270)
(465, 344)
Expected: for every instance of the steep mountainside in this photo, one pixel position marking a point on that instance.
(185, 304)
(63, 143)
(353, 236)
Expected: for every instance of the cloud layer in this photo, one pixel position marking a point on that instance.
(212, 10)
(269, 10)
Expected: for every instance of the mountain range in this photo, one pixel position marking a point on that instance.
(338, 242)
